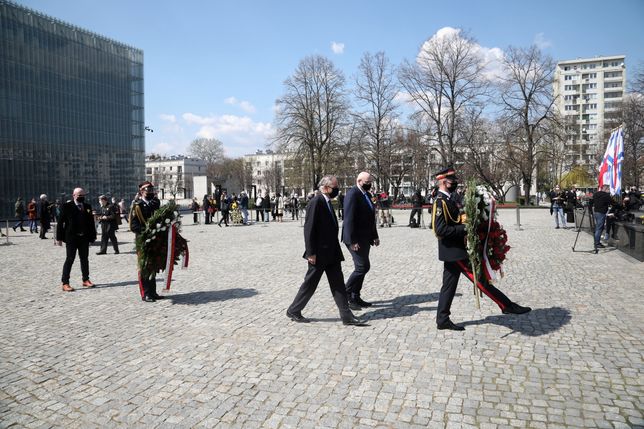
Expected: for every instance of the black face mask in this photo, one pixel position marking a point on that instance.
(80, 199)
(366, 186)
(451, 187)
(334, 192)
(149, 195)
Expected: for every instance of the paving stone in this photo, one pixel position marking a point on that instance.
(220, 351)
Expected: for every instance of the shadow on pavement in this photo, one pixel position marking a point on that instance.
(401, 306)
(204, 297)
(540, 321)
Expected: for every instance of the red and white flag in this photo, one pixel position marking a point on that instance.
(610, 170)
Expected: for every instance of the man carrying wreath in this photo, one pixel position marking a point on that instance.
(142, 210)
(450, 230)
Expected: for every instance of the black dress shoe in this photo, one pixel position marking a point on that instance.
(148, 299)
(116, 252)
(353, 321)
(600, 246)
(363, 303)
(353, 305)
(297, 317)
(451, 326)
(160, 297)
(101, 253)
(516, 309)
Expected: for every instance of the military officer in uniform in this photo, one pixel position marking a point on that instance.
(142, 210)
(450, 230)
(108, 218)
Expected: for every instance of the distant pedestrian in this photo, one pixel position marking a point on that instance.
(107, 217)
(76, 229)
(295, 207)
(194, 207)
(207, 209)
(32, 214)
(243, 206)
(20, 214)
(43, 213)
(259, 208)
(601, 202)
(266, 204)
(224, 206)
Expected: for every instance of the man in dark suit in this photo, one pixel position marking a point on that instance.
(450, 230)
(324, 255)
(359, 233)
(108, 218)
(142, 210)
(76, 228)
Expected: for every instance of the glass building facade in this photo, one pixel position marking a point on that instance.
(71, 110)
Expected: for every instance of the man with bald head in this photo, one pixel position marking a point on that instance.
(76, 228)
(359, 233)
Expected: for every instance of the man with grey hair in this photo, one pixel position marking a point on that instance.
(323, 254)
(359, 233)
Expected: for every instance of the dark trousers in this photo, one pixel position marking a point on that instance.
(361, 267)
(19, 223)
(451, 272)
(224, 217)
(310, 284)
(148, 286)
(207, 218)
(295, 213)
(73, 245)
(417, 213)
(259, 212)
(44, 227)
(108, 233)
(195, 217)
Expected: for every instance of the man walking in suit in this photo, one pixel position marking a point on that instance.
(108, 218)
(324, 255)
(359, 233)
(76, 228)
(450, 231)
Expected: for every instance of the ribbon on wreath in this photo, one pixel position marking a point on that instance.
(487, 267)
(171, 254)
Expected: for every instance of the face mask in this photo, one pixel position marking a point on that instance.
(366, 186)
(451, 187)
(149, 195)
(80, 199)
(334, 192)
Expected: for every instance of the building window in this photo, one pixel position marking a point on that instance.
(572, 107)
(609, 75)
(566, 68)
(589, 76)
(589, 86)
(612, 85)
(613, 94)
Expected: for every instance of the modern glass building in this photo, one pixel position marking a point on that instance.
(71, 110)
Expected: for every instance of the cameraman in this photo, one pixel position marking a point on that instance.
(601, 202)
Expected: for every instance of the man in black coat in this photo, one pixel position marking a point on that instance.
(108, 218)
(324, 255)
(76, 228)
(601, 202)
(359, 233)
(450, 231)
(43, 213)
(141, 212)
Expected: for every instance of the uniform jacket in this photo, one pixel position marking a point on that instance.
(321, 233)
(111, 212)
(141, 212)
(449, 229)
(76, 223)
(359, 224)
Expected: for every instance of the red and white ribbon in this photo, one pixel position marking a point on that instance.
(169, 262)
(487, 268)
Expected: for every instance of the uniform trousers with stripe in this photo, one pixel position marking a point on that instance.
(451, 273)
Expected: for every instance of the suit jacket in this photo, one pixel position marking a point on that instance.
(449, 229)
(321, 233)
(359, 224)
(75, 223)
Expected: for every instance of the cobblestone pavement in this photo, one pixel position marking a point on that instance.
(221, 352)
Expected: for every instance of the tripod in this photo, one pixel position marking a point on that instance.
(581, 222)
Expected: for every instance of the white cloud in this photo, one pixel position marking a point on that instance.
(162, 148)
(168, 118)
(337, 47)
(246, 106)
(541, 42)
(491, 58)
(240, 134)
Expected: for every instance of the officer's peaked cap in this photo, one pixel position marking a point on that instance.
(446, 173)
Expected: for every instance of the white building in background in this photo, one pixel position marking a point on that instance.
(173, 175)
(267, 170)
(588, 94)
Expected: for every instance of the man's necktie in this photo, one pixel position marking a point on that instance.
(366, 196)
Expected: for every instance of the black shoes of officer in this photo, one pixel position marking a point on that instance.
(354, 305)
(101, 253)
(451, 326)
(515, 308)
(147, 298)
(600, 246)
(363, 303)
(297, 317)
(352, 320)
(160, 297)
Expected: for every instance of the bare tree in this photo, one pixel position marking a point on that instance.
(311, 113)
(525, 96)
(170, 181)
(446, 78)
(633, 120)
(209, 150)
(375, 92)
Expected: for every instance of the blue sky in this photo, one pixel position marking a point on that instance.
(215, 68)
